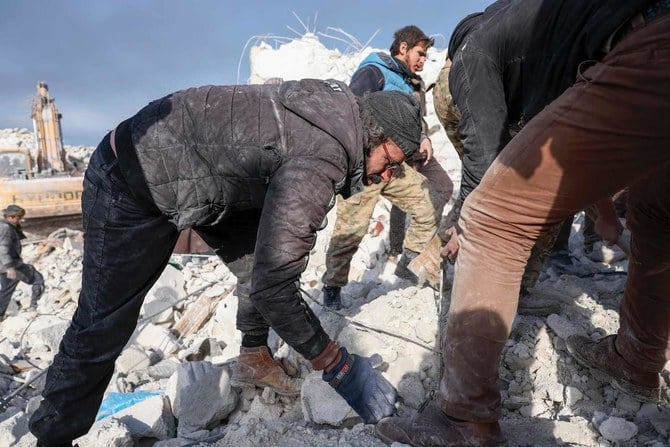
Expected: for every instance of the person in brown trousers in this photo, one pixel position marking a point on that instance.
(588, 138)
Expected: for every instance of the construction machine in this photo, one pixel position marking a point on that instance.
(39, 180)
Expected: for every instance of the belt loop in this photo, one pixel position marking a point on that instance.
(112, 141)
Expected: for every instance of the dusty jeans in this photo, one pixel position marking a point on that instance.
(609, 130)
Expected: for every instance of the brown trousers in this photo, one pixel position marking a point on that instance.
(609, 130)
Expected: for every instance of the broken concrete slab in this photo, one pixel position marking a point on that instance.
(201, 395)
(321, 404)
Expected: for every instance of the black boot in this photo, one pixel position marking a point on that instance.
(396, 231)
(331, 297)
(402, 271)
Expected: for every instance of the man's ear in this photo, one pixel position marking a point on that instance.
(402, 49)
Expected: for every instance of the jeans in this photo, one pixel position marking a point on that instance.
(607, 131)
(126, 249)
(25, 273)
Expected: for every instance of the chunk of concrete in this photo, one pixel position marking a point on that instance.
(133, 358)
(562, 326)
(110, 432)
(14, 428)
(321, 404)
(201, 395)
(411, 390)
(617, 429)
(149, 335)
(49, 336)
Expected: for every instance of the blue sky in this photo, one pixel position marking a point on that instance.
(104, 60)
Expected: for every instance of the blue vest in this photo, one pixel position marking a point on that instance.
(393, 76)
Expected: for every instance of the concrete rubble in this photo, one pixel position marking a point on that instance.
(547, 398)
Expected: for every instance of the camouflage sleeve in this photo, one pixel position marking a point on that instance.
(446, 109)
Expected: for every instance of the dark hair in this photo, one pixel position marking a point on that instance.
(412, 35)
(373, 134)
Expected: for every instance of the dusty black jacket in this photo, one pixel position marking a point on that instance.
(207, 153)
(513, 60)
(10, 246)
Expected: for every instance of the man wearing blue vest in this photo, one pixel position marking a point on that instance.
(420, 186)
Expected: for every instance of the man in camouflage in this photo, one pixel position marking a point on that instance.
(419, 187)
(408, 190)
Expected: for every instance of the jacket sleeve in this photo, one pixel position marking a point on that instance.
(6, 258)
(296, 203)
(366, 79)
(478, 90)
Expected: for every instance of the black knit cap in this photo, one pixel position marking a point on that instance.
(399, 115)
(13, 210)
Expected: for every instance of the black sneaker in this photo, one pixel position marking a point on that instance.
(402, 271)
(331, 297)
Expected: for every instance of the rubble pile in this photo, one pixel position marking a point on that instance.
(77, 156)
(176, 368)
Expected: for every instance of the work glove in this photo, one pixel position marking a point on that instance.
(364, 389)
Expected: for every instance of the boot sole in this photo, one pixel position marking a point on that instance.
(388, 440)
(408, 440)
(239, 383)
(634, 391)
(539, 311)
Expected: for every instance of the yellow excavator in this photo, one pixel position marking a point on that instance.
(39, 180)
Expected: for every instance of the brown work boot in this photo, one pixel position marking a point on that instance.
(432, 427)
(603, 357)
(256, 366)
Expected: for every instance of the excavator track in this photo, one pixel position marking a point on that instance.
(42, 228)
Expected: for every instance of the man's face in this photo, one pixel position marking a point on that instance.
(382, 162)
(14, 220)
(414, 57)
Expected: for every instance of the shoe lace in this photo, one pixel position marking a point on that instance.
(428, 400)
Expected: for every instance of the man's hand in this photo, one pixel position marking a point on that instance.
(426, 148)
(11, 273)
(608, 226)
(450, 250)
(609, 230)
(364, 389)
